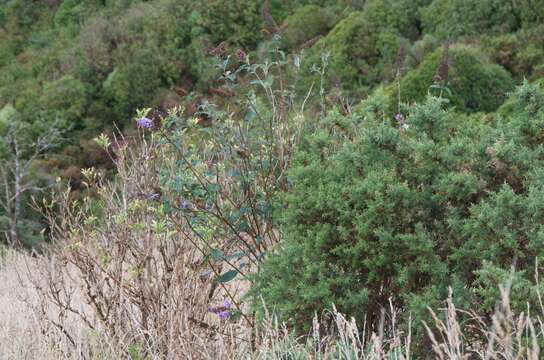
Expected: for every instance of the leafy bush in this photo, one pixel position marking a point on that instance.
(129, 85)
(530, 12)
(238, 22)
(405, 212)
(363, 47)
(361, 52)
(305, 24)
(451, 19)
(401, 15)
(70, 12)
(521, 53)
(65, 99)
(473, 83)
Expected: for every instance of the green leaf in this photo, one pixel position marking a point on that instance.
(226, 277)
(216, 254)
(235, 256)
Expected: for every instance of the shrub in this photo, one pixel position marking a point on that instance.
(473, 83)
(361, 52)
(305, 24)
(130, 84)
(238, 22)
(401, 15)
(65, 99)
(451, 19)
(530, 12)
(363, 46)
(521, 53)
(403, 213)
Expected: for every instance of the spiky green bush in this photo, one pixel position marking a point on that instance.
(363, 46)
(379, 212)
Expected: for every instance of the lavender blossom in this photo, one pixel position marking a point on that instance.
(222, 311)
(145, 123)
(401, 120)
(223, 315)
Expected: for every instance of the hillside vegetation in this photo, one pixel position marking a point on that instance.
(220, 179)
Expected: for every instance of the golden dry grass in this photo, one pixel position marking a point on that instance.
(33, 327)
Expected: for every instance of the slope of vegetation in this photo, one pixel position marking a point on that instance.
(231, 163)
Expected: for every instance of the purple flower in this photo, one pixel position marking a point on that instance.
(145, 123)
(222, 311)
(223, 315)
(185, 205)
(226, 304)
(399, 117)
(241, 55)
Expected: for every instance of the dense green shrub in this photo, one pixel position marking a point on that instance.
(64, 99)
(363, 47)
(404, 213)
(521, 53)
(70, 12)
(454, 18)
(239, 22)
(451, 19)
(530, 11)
(361, 53)
(401, 15)
(281, 9)
(131, 84)
(473, 83)
(305, 24)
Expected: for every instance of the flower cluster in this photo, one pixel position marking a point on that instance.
(241, 55)
(401, 120)
(222, 311)
(145, 123)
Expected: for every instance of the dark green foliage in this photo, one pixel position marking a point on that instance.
(71, 12)
(64, 99)
(401, 15)
(305, 24)
(364, 45)
(521, 53)
(530, 11)
(239, 22)
(406, 213)
(130, 85)
(361, 53)
(281, 9)
(454, 18)
(473, 83)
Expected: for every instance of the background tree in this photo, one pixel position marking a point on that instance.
(19, 150)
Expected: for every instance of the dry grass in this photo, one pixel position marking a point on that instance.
(24, 333)
(32, 328)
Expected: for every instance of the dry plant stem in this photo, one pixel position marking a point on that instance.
(231, 297)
